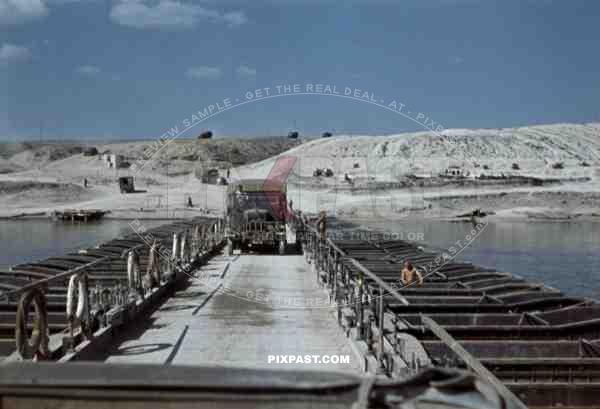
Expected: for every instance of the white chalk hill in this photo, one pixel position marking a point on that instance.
(534, 148)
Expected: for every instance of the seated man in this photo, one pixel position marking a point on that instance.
(409, 273)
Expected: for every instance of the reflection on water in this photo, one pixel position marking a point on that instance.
(29, 240)
(563, 255)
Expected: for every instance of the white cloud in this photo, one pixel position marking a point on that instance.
(21, 11)
(62, 2)
(171, 14)
(10, 53)
(235, 18)
(203, 72)
(246, 72)
(88, 70)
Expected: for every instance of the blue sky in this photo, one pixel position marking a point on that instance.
(136, 68)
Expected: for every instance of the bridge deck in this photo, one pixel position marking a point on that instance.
(238, 311)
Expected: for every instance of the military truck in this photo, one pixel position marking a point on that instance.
(256, 216)
(126, 184)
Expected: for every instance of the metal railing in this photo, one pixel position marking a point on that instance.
(86, 308)
(349, 289)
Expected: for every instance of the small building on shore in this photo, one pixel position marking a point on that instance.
(112, 160)
(459, 172)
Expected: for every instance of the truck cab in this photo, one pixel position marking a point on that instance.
(257, 215)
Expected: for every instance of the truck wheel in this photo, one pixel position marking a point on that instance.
(282, 247)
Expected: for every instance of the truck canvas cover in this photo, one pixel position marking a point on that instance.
(258, 196)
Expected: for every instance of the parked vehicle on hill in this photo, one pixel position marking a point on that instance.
(205, 135)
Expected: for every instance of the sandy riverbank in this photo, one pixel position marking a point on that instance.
(166, 199)
(375, 177)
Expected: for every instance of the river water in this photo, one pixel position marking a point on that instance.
(28, 240)
(563, 255)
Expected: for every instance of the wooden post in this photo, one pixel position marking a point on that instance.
(336, 268)
(395, 341)
(380, 316)
(318, 255)
(321, 253)
(360, 306)
(332, 268)
(328, 266)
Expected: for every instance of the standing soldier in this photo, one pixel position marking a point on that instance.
(322, 224)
